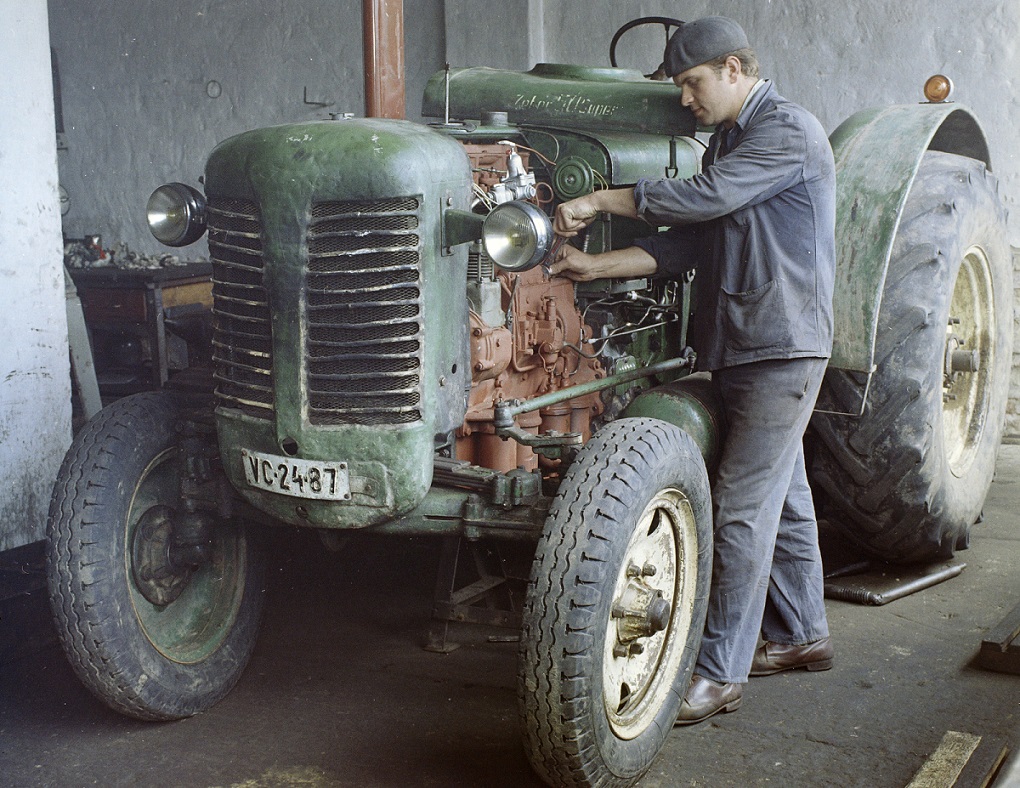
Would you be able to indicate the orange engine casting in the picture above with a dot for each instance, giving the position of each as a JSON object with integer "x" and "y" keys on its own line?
{"x": 537, "y": 351}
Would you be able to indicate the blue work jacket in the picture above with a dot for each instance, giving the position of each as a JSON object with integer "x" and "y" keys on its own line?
{"x": 757, "y": 225}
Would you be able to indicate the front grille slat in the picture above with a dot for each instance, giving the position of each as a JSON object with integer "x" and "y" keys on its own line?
{"x": 236, "y": 243}
{"x": 363, "y": 348}
{"x": 242, "y": 347}
{"x": 338, "y": 246}
{"x": 399, "y": 349}
{"x": 399, "y": 344}
{"x": 368, "y": 261}
{"x": 358, "y": 299}
{"x": 362, "y": 293}
{"x": 328, "y": 210}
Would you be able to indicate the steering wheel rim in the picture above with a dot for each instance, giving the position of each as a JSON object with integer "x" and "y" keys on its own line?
{"x": 666, "y": 21}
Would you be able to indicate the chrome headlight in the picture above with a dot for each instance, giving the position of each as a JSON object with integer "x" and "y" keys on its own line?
{"x": 517, "y": 235}
{"x": 176, "y": 214}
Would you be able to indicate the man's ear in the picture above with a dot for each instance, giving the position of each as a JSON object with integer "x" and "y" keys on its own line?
{"x": 733, "y": 68}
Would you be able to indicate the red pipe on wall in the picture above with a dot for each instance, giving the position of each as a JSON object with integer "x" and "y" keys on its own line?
{"x": 384, "y": 58}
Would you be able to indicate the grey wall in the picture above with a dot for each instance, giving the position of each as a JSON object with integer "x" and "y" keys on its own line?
{"x": 837, "y": 58}
{"x": 35, "y": 389}
{"x": 136, "y": 76}
{"x": 139, "y": 108}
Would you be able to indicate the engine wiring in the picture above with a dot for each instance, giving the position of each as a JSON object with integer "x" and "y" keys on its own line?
{"x": 666, "y": 313}
{"x": 483, "y": 196}
{"x": 550, "y": 162}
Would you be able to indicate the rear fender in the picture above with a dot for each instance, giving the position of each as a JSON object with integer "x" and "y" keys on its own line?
{"x": 877, "y": 154}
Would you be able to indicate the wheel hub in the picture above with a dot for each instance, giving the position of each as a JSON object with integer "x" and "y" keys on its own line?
{"x": 640, "y": 612}
{"x": 958, "y": 361}
{"x": 158, "y": 577}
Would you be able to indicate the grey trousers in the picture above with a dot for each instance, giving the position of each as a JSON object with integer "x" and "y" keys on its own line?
{"x": 767, "y": 573}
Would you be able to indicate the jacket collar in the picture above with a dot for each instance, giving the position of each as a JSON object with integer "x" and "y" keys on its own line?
{"x": 762, "y": 89}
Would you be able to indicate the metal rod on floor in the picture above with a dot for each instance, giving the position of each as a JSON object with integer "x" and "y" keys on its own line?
{"x": 863, "y": 596}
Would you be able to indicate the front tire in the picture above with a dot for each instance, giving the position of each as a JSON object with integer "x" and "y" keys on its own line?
{"x": 151, "y": 649}
{"x": 911, "y": 474}
{"x": 616, "y": 605}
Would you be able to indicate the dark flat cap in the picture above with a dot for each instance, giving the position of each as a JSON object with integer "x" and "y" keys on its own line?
{"x": 702, "y": 40}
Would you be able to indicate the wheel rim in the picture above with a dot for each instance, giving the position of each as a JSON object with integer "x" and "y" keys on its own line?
{"x": 638, "y": 671}
{"x": 969, "y": 360}
{"x": 194, "y": 625}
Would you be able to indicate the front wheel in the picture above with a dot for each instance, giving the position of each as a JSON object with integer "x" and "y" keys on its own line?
{"x": 155, "y": 636}
{"x": 616, "y": 605}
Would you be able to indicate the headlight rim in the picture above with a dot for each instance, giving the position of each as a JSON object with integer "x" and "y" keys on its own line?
{"x": 540, "y": 225}
{"x": 191, "y": 201}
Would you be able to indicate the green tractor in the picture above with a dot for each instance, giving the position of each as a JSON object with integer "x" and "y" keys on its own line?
{"x": 391, "y": 356}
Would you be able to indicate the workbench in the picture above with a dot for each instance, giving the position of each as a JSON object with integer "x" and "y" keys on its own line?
{"x": 145, "y": 323}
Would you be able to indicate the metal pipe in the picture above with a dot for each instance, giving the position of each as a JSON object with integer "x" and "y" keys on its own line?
{"x": 865, "y": 596}
{"x": 508, "y": 409}
{"x": 384, "y": 58}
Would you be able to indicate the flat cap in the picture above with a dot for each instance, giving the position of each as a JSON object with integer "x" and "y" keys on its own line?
{"x": 700, "y": 41}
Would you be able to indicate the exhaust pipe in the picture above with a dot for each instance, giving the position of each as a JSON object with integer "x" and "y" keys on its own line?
{"x": 384, "y": 58}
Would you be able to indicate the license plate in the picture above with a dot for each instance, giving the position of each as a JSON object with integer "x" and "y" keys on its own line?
{"x": 326, "y": 481}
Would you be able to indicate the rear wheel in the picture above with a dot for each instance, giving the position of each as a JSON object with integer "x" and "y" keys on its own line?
{"x": 157, "y": 629}
{"x": 911, "y": 474}
{"x": 616, "y": 605}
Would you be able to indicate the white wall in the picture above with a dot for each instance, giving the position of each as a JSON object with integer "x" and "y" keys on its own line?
{"x": 35, "y": 393}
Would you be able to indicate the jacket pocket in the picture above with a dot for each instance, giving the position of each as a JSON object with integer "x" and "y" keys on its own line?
{"x": 756, "y": 319}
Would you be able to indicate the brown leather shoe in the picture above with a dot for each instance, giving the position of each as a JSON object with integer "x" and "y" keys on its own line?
{"x": 775, "y": 657}
{"x": 706, "y": 697}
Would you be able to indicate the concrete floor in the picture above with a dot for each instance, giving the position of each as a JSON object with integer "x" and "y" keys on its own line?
{"x": 339, "y": 693}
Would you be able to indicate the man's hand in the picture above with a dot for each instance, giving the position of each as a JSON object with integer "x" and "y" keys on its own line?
{"x": 620, "y": 263}
{"x": 574, "y": 215}
{"x": 574, "y": 264}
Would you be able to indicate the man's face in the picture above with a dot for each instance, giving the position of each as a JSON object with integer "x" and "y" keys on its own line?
{"x": 711, "y": 95}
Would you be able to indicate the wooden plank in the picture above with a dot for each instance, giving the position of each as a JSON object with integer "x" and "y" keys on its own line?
{"x": 945, "y": 764}
{"x": 1007, "y": 630}
{"x": 1000, "y": 649}
{"x": 187, "y": 294}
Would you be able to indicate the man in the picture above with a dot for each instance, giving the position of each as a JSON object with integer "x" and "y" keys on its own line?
{"x": 757, "y": 223}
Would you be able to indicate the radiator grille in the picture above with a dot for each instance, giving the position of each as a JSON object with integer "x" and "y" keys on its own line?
{"x": 242, "y": 340}
{"x": 363, "y": 339}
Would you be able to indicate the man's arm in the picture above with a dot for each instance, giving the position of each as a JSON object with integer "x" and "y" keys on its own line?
{"x": 769, "y": 158}
{"x": 619, "y": 263}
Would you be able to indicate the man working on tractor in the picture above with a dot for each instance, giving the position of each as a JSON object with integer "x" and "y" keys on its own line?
{"x": 757, "y": 224}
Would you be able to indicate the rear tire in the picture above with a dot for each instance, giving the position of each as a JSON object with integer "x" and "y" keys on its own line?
{"x": 911, "y": 474}
{"x": 112, "y": 505}
{"x": 616, "y": 605}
